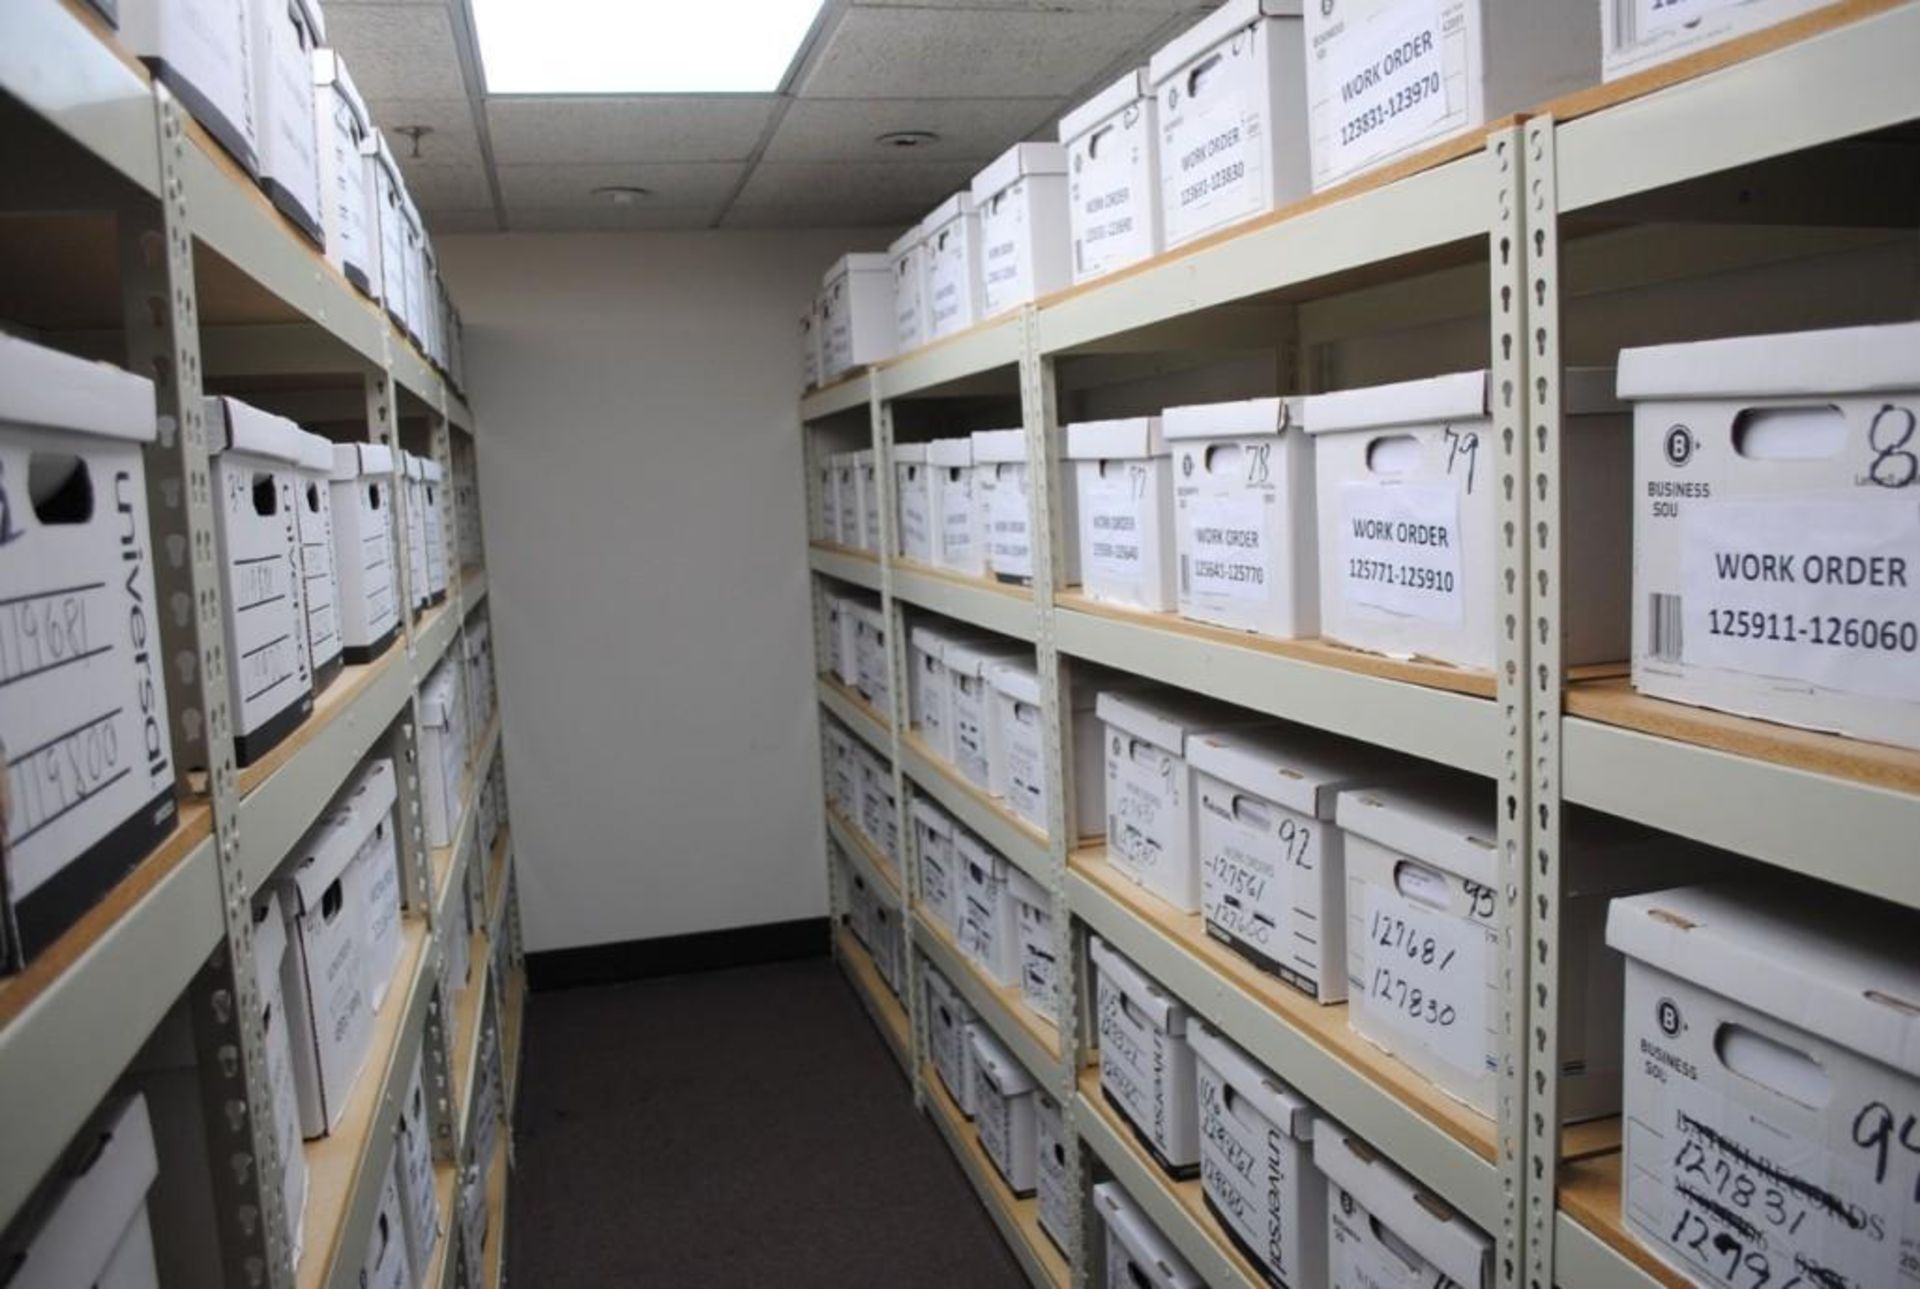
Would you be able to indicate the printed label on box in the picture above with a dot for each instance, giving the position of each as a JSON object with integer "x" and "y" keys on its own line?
{"x": 1112, "y": 504}
{"x": 1390, "y": 90}
{"x": 1401, "y": 544}
{"x": 1826, "y": 592}
{"x": 1226, "y": 552}
{"x": 1426, "y": 976}
{"x": 1214, "y": 181}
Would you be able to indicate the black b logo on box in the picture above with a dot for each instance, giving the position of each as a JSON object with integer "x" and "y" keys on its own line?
{"x": 1667, "y": 1012}
{"x": 1679, "y": 445}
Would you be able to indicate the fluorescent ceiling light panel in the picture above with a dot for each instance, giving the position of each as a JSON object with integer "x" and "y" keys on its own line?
{"x": 639, "y": 46}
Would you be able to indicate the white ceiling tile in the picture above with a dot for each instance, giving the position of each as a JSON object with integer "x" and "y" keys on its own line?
{"x": 450, "y": 184}
{"x": 477, "y": 220}
{"x": 674, "y": 184}
{"x": 816, "y": 216}
{"x": 903, "y": 189}
{"x": 845, "y": 129}
{"x": 971, "y": 53}
{"x": 542, "y": 219}
{"x": 674, "y": 127}
{"x": 449, "y": 120}
{"x": 397, "y": 51}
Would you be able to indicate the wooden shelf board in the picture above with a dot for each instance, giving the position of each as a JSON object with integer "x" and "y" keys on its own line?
{"x": 493, "y": 1259}
{"x": 1615, "y": 702}
{"x": 1590, "y": 1195}
{"x": 846, "y": 552}
{"x": 986, "y": 800}
{"x": 17, "y": 992}
{"x": 855, "y": 699}
{"x": 1324, "y": 653}
{"x": 444, "y": 1176}
{"x": 1024, "y": 1214}
{"x": 1325, "y": 1025}
{"x": 1043, "y": 1031}
{"x": 327, "y": 705}
{"x": 875, "y": 858}
{"x": 333, "y": 1159}
{"x": 1012, "y": 590}
{"x": 880, "y": 1000}
{"x": 1189, "y": 1194}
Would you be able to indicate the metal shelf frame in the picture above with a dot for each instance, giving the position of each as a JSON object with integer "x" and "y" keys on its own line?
{"x": 1481, "y": 222}
{"x": 178, "y": 929}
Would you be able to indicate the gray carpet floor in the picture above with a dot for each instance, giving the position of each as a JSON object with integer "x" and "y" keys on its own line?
{"x": 744, "y": 1127}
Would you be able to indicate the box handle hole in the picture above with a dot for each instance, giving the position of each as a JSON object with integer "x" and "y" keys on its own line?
{"x": 1772, "y": 1064}
{"x": 61, "y": 488}
{"x": 1815, "y": 432}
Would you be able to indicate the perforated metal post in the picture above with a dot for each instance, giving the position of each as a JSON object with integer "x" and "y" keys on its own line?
{"x": 1039, "y": 414}
{"x": 163, "y": 341}
{"x": 1508, "y": 288}
{"x": 383, "y": 424}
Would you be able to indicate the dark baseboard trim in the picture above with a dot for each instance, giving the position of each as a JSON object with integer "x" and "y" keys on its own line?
{"x": 676, "y": 955}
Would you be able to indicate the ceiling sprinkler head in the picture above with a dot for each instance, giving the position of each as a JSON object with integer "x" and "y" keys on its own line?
{"x": 413, "y": 134}
{"x": 907, "y": 139}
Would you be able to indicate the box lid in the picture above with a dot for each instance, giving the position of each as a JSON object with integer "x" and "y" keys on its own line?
{"x": 430, "y": 470}
{"x": 1166, "y": 718}
{"x": 1161, "y": 1008}
{"x": 999, "y": 445}
{"x": 1111, "y": 101}
{"x": 1584, "y": 391}
{"x": 1217, "y": 26}
{"x": 907, "y": 242}
{"x": 45, "y": 388}
{"x": 954, "y": 207}
{"x": 414, "y": 466}
{"x": 863, "y": 459}
{"x": 330, "y": 71}
{"x": 997, "y": 1065}
{"x": 269, "y": 944}
{"x": 1133, "y": 437}
{"x": 858, "y": 262}
{"x": 234, "y": 426}
{"x": 1301, "y": 769}
{"x": 1015, "y": 164}
{"x": 1851, "y": 976}
{"x": 950, "y": 452}
{"x": 1277, "y": 1103}
{"x": 1026, "y": 890}
{"x": 909, "y": 453}
{"x": 973, "y": 657}
{"x": 1017, "y": 679}
{"x": 1437, "y": 1233}
{"x": 1243, "y": 419}
{"x": 357, "y": 460}
{"x": 320, "y": 858}
{"x": 104, "y": 1189}
{"x": 929, "y": 815}
{"x": 1447, "y": 819}
{"x": 1842, "y": 360}
{"x": 313, "y": 453}
{"x": 375, "y": 146}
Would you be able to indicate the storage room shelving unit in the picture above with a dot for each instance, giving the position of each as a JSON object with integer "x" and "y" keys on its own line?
{"x": 1615, "y": 216}
{"x": 132, "y": 237}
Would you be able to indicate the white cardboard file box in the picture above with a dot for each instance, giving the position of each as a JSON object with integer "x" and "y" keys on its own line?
{"x": 1025, "y": 245}
{"x": 283, "y": 35}
{"x": 888, "y": 943}
{"x": 859, "y": 319}
{"x": 912, "y": 319}
{"x": 846, "y": 499}
{"x": 390, "y": 225}
{"x": 928, "y": 687}
{"x": 1422, "y": 873}
{"x": 443, "y": 751}
{"x": 1016, "y": 745}
{"x": 1002, "y": 512}
{"x": 349, "y": 222}
{"x": 362, "y": 489}
{"x": 1052, "y": 1180}
{"x": 953, "y": 266}
{"x": 809, "y": 350}
{"x": 329, "y": 1011}
{"x": 199, "y": 50}
{"x": 1244, "y": 516}
{"x": 1004, "y": 1112}
{"x": 1123, "y": 489}
{"x": 413, "y": 482}
{"x": 413, "y": 1151}
{"x": 96, "y": 1232}
{"x": 1406, "y": 482}
{"x": 989, "y": 927}
{"x": 269, "y": 966}
{"x": 254, "y": 456}
{"x": 1638, "y": 36}
{"x": 970, "y": 704}
{"x": 1776, "y": 1039}
{"x": 1385, "y": 79}
{"x": 843, "y": 770}
{"x": 1150, "y": 819}
{"x": 431, "y": 482}
{"x": 414, "y": 265}
{"x": 1776, "y": 527}
{"x": 319, "y": 578}
{"x": 913, "y": 491}
{"x": 950, "y": 1026}
{"x": 1385, "y": 1230}
{"x": 844, "y": 614}
{"x": 933, "y": 832}
{"x": 1232, "y": 100}
{"x": 1137, "y": 1255}
{"x": 1272, "y": 860}
{"x": 386, "y": 1265}
{"x": 83, "y": 672}
{"x": 867, "y": 471}
{"x": 1146, "y": 1067}
{"x": 477, "y": 645}
{"x": 872, "y": 674}
{"x": 877, "y": 818}
{"x": 826, "y": 515}
{"x": 1035, "y": 946}
{"x": 376, "y": 875}
{"x": 1113, "y": 177}
{"x": 1256, "y": 1162}
{"x": 958, "y": 544}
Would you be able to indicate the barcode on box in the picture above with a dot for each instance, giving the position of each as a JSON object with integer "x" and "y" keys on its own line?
{"x": 1663, "y": 626}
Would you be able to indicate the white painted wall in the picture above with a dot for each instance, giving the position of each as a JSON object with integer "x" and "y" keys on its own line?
{"x": 642, "y": 491}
